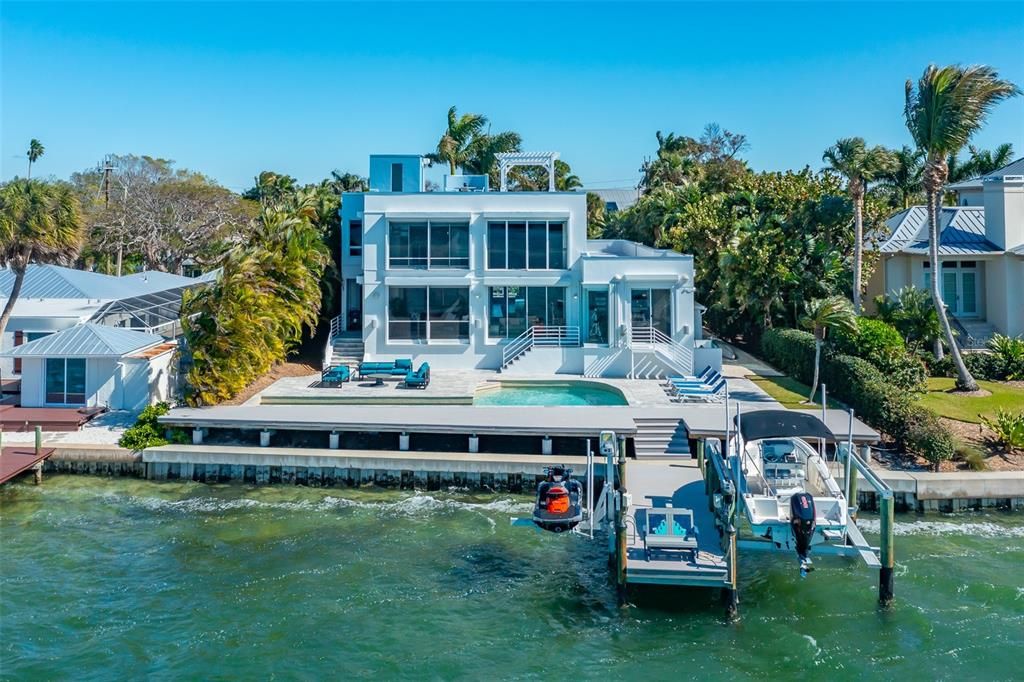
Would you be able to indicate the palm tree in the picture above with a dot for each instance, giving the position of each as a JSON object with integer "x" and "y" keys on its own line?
{"x": 454, "y": 147}
{"x": 565, "y": 179}
{"x": 985, "y": 161}
{"x": 859, "y": 164}
{"x": 35, "y": 150}
{"x": 904, "y": 179}
{"x": 943, "y": 111}
{"x": 40, "y": 222}
{"x": 834, "y": 312}
{"x": 912, "y": 312}
{"x": 484, "y": 149}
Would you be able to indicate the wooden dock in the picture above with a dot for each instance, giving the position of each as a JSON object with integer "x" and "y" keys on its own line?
{"x": 14, "y": 419}
{"x": 17, "y": 460}
{"x": 680, "y": 485}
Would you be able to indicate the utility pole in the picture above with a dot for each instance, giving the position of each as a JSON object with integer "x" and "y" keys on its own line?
{"x": 107, "y": 169}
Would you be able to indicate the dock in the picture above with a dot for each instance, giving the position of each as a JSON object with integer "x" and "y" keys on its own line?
{"x": 15, "y": 461}
{"x": 679, "y": 485}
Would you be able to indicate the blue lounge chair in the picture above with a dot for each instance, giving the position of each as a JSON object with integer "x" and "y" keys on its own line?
{"x": 420, "y": 378}
{"x": 676, "y": 385}
{"x": 336, "y": 375}
{"x": 711, "y": 393}
{"x": 701, "y": 378}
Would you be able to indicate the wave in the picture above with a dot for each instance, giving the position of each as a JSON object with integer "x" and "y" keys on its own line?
{"x": 968, "y": 528}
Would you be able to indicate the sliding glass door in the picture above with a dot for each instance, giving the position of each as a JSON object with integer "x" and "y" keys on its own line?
{"x": 65, "y": 381}
{"x": 652, "y": 308}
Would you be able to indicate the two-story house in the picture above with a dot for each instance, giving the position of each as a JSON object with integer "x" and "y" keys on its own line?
{"x": 981, "y": 248}
{"x": 470, "y": 277}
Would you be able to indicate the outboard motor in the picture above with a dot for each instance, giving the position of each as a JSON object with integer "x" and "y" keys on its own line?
{"x": 802, "y": 523}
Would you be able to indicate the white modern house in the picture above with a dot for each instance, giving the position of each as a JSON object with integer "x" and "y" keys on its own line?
{"x": 981, "y": 250}
{"x": 79, "y": 338}
{"x": 472, "y": 277}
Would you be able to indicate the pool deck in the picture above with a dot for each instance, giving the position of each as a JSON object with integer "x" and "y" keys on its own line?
{"x": 679, "y": 485}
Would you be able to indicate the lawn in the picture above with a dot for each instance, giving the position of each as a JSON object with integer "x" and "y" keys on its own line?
{"x": 790, "y": 392}
{"x": 967, "y": 408}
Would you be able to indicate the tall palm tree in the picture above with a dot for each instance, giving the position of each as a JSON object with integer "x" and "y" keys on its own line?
{"x": 454, "y": 145}
{"x": 985, "y": 161}
{"x": 859, "y": 164}
{"x": 484, "y": 149}
{"x": 40, "y": 222}
{"x": 834, "y": 312}
{"x": 35, "y": 150}
{"x": 947, "y": 106}
{"x": 904, "y": 179}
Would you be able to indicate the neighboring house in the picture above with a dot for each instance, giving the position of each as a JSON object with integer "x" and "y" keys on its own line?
{"x": 981, "y": 247}
{"x": 54, "y": 298}
{"x": 616, "y": 200}
{"x": 95, "y": 365}
{"x": 475, "y": 278}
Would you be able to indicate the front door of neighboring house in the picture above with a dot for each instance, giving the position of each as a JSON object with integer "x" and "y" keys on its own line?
{"x": 959, "y": 287}
{"x": 353, "y": 306}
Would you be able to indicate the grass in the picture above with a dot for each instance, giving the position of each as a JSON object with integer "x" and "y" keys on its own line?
{"x": 790, "y": 392}
{"x": 967, "y": 408}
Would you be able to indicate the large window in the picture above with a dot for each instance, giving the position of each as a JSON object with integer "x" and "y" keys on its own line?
{"x": 511, "y": 310}
{"x": 428, "y": 244}
{"x": 65, "y": 381}
{"x": 597, "y": 317}
{"x": 355, "y": 237}
{"x": 533, "y": 245}
{"x": 428, "y": 313}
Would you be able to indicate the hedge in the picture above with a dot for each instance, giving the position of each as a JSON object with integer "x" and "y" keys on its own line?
{"x": 863, "y": 387}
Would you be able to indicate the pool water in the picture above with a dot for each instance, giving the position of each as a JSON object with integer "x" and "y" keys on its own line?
{"x": 551, "y": 395}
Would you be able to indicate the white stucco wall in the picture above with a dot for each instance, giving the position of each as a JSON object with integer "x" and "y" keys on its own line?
{"x": 125, "y": 383}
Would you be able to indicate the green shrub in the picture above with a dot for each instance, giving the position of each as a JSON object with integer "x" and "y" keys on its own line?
{"x": 1008, "y": 427}
{"x": 984, "y": 366}
{"x": 147, "y": 432}
{"x": 866, "y": 389}
{"x": 970, "y": 455}
{"x": 874, "y": 338}
{"x": 1008, "y": 357}
{"x": 941, "y": 368}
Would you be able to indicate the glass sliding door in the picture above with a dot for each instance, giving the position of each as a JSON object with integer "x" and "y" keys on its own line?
{"x": 512, "y": 310}
{"x": 449, "y": 313}
{"x": 536, "y": 245}
{"x": 65, "y": 381}
{"x": 652, "y": 308}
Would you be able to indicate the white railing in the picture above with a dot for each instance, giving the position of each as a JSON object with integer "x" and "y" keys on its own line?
{"x": 336, "y": 327}
{"x": 539, "y": 336}
{"x": 678, "y": 355}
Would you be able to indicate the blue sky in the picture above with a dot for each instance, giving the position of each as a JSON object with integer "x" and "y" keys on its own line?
{"x": 234, "y": 88}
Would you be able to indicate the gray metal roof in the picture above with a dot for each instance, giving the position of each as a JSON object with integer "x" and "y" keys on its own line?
{"x": 961, "y": 232}
{"x": 617, "y": 199}
{"x": 86, "y": 340}
{"x": 1019, "y": 250}
{"x": 1012, "y": 168}
{"x": 54, "y": 281}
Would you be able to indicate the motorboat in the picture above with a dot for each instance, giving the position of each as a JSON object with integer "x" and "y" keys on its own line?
{"x": 559, "y": 506}
{"x": 787, "y": 491}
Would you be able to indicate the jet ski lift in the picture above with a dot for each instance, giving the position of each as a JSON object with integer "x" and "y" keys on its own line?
{"x": 559, "y": 498}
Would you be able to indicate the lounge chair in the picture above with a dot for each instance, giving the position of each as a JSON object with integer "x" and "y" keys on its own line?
{"x": 677, "y": 386}
{"x": 702, "y": 377}
{"x": 667, "y": 528}
{"x": 711, "y": 393}
{"x": 336, "y": 375}
{"x": 420, "y": 378}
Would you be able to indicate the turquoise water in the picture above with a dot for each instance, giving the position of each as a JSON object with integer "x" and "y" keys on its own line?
{"x": 549, "y": 395}
{"x": 126, "y": 579}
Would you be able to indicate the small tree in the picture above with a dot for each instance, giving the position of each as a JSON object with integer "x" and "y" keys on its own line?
{"x": 834, "y": 312}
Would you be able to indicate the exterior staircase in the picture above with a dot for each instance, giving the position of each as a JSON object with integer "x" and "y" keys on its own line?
{"x": 347, "y": 350}
{"x": 661, "y": 438}
{"x": 973, "y": 334}
{"x": 647, "y": 344}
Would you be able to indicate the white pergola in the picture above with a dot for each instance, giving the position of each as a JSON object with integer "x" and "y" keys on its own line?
{"x": 508, "y": 160}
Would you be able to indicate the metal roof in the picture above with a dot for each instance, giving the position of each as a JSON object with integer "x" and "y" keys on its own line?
{"x": 86, "y": 340}
{"x": 961, "y": 232}
{"x": 54, "y": 281}
{"x": 622, "y": 198}
{"x": 1012, "y": 168}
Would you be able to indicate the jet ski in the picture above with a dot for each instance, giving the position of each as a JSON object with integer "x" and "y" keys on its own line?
{"x": 559, "y": 501}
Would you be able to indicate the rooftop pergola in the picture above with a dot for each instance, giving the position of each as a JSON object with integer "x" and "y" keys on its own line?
{"x": 508, "y": 160}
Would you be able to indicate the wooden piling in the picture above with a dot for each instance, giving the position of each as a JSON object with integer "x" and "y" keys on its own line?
{"x": 885, "y": 573}
{"x": 700, "y": 455}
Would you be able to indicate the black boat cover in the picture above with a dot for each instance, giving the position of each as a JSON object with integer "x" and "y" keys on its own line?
{"x": 782, "y": 424}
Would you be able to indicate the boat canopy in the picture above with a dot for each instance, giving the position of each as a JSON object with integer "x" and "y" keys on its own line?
{"x": 782, "y": 424}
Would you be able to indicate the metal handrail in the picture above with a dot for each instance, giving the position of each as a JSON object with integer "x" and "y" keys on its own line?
{"x": 539, "y": 335}
{"x": 678, "y": 354}
{"x": 329, "y": 350}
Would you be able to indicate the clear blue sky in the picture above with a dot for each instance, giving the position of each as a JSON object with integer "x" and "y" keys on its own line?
{"x": 230, "y": 89}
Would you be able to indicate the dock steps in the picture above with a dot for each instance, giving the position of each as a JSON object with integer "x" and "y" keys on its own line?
{"x": 661, "y": 437}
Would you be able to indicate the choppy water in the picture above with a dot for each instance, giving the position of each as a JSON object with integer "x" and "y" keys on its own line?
{"x": 103, "y": 579}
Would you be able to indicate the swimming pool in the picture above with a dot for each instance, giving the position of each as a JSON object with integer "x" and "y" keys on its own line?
{"x": 549, "y": 394}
